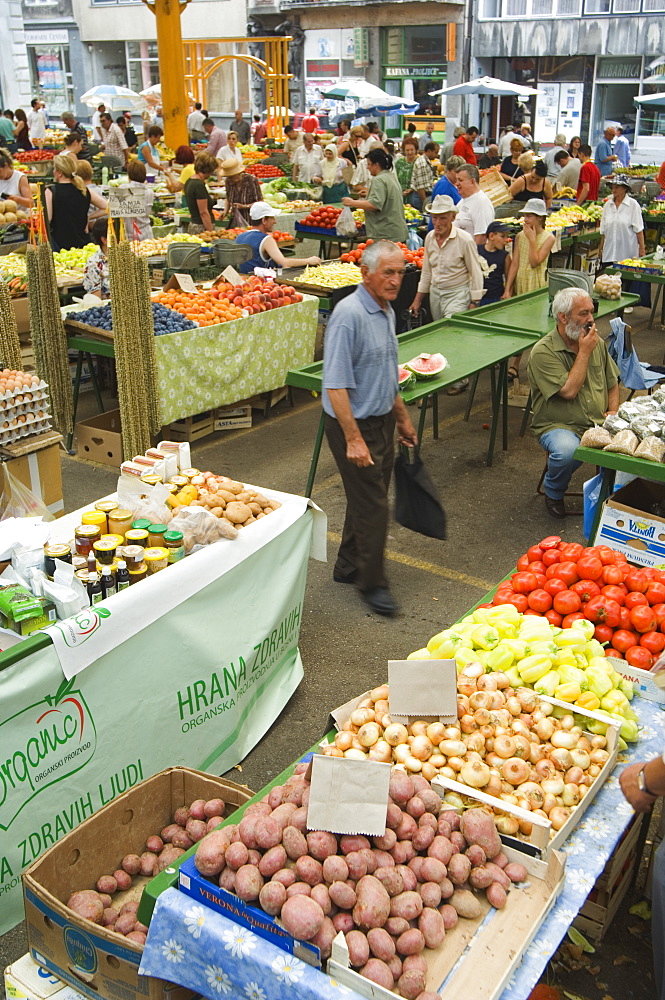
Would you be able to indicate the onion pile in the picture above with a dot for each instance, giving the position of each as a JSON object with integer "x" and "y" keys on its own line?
{"x": 507, "y": 743}
{"x": 391, "y": 896}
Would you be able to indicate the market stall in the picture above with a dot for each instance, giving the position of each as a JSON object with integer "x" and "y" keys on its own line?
{"x": 531, "y": 312}
{"x": 651, "y": 269}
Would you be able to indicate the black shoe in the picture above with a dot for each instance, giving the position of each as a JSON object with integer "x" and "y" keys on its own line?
{"x": 381, "y": 601}
{"x": 349, "y": 578}
{"x": 555, "y": 508}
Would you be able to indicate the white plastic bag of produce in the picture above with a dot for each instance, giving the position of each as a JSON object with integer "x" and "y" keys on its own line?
{"x": 17, "y": 500}
{"x": 200, "y": 527}
{"x": 346, "y": 224}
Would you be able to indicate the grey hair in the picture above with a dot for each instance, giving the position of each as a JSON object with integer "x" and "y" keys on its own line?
{"x": 455, "y": 162}
{"x": 565, "y": 299}
{"x": 471, "y": 170}
{"x": 375, "y": 251}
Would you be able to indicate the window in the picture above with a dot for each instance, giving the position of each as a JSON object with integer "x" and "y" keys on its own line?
{"x": 626, "y": 6}
{"x": 142, "y": 64}
{"x": 542, "y": 8}
{"x": 653, "y": 6}
{"x": 491, "y": 9}
{"x": 424, "y": 45}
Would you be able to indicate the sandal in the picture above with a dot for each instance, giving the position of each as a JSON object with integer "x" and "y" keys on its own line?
{"x": 513, "y": 374}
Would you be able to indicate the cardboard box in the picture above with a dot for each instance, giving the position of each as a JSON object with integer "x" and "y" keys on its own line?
{"x": 99, "y": 439}
{"x": 39, "y": 470}
{"x": 93, "y": 959}
{"x": 626, "y": 527}
{"x": 25, "y": 980}
{"x": 229, "y": 418}
{"x": 22, "y": 314}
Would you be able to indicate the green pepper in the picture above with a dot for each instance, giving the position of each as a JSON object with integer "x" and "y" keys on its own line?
{"x": 598, "y": 682}
{"x": 485, "y": 637}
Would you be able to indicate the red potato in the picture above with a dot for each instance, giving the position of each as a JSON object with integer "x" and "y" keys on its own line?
{"x": 109, "y": 917}
{"x": 447, "y": 888}
{"x": 399, "y": 853}
{"x": 131, "y": 863}
{"x": 321, "y": 896}
{"x": 357, "y": 864}
{"x": 415, "y": 864}
{"x": 433, "y": 870}
{"x": 107, "y": 884}
{"x": 141, "y": 927}
{"x": 258, "y": 809}
{"x": 197, "y": 809}
{"x": 408, "y": 877}
{"x": 516, "y": 872}
{"x": 309, "y": 870}
{"x": 154, "y": 844}
{"x": 249, "y": 883}
{"x": 299, "y": 889}
{"x": 387, "y": 841}
{"x": 302, "y": 917}
{"x": 87, "y": 904}
{"x": 498, "y": 874}
{"x": 396, "y": 926}
{"x": 372, "y": 907}
{"x": 480, "y": 878}
{"x": 302, "y": 767}
{"x": 443, "y": 827}
{"x": 344, "y": 922}
{"x": 324, "y": 938}
{"x": 415, "y": 807}
{"x": 379, "y": 973}
{"x": 430, "y": 893}
{"x": 268, "y": 832}
{"x": 253, "y": 858}
{"x": 423, "y": 837}
{"x": 358, "y": 947}
{"x": 411, "y": 984}
{"x": 213, "y": 823}
{"x": 427, "y": 819}
{"x": 349, "y": 844}
{"x": 275, "y": 796}
{"x": 182, "y": 839}
{"x": 167, "y": 857}
{"x": 418, "y": 962}
{"x": 294, "y": 843}
{"x": 401, "y": 788}
{"x": 411, "y": 942}
{"x": 407, "y": 827}
{"x": 125, "y": 923}
{"x": 441, "y": 848}
{"x": 451, "y": 817}
{"x": 138, "y": 937}
{"x": 476, "y": 855}
{"x": 181, "y": 815}
{"x": 430, "y": 799}
{"x": 236, "y": 856}
{"x": 371, "y": 858}
{"x": 393, "y": 816}
{"x": 131, "y": 906}
{"x": 106, "y": 900}
{"x": 210, "y": 854}
{"x": 408, "y": 848}
{"x": 466, "y": 904}
{"x": 227, "y": 879}
{"x": 272, "y": 861}
{"x": 395, "y": 966}
{"x": 342, "y": 895}
{"x": 294, "y": 788}
{"x": 286, "y": 876}
{"x": 247, "y": 830}
{"x": 383, "y": 859}
{"x": 500, "y": 860}
{"x": 321, "y": 845}
{"x": 283, "y": 813}
{"x": 431, "y": 926}
{"x": 335, "y": 869}
{"x": 496, "y": 894}
{"x": 477, "y": 826}
{"x": 381, "y": 945}
{"x": 168, "y": 831}
{"x": 122, "y": 880}
{"x": 458, "y": 842}
{"x": 408, "y": 905}
{"x": 214, "y": 807}
{"x": 459, "y": 869}
{"x": 392, "y": 881}
{"x": 450, "y": 916}
{"x": 299, "y": 819}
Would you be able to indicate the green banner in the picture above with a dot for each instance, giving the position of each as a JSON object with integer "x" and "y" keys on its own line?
{"x": 198, "y": 687}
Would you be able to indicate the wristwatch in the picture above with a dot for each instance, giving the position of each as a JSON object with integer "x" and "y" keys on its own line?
{"x": 642, "y": 784}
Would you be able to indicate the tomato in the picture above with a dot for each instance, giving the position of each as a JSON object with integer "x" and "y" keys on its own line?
{"x": 567, "y": 602}
{"x": 523, "y": 583}
{"x": 501, "y": 598}
{"x": 540, "y": 601}
{"x": 571, "y": 551}
{"x": 607, "y": 556}
{"x": 611, "y": 651}
{"x": 566, "y": 571}
{"x": 636, "y": 580}
{"x": 551, "y": 556}
{"x": 640, "y": 657}
{"x": 650, "y": 573}
{"x": 570, "y": 620}
{"x": 554, "y": 586}
{"x": 535, "y": 553}
{"x": 590, "y": 550}
{"x": 624, "y": 620}
{"x": 614, "y": 593}
{"x": 655, "y": 592}
{"x": 603, "y": 633}
{"x": 653, "y": 641}
{"x": 603, "y": 611}
{"x": 586, "y": 589}
{"x": 589, "y": 568}
{"x": 623, "y": 639}
{"x": 550, "y": 542}
{"x": 541, "y": 579}
{"x": 522, "y": 562}
{"x": 635, "y": 599}
{"x": 612, "y": 575}
{"x": 554, "y": 618}
{"x": 659, "y": 611}
{"x": 537, "y": 566}
{"x": 518, "y": 601}
{"x": 530, "y": 611}
{"x": 643, "y": 619}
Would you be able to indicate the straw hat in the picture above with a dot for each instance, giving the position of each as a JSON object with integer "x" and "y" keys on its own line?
{"x": 231, "y": 167}
{"x": 443, "y": 203}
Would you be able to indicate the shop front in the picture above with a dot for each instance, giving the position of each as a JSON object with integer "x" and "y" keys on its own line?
{"x": 617, "y": 83}
{"x": 50, "y": 73}
{"x": 413, "y": 64}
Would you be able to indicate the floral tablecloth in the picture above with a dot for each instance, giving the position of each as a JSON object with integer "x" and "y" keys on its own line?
{"x": 199, "y": 948}
{"x": 219, "y": 365}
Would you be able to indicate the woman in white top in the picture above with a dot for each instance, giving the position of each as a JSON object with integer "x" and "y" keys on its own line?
{"x": 621, "y": 225}
{"x": 37, "y": 123}
{"x": 13, "y": 184}
{"x": 230, "y": 151}
{"x": 330, "y": 175}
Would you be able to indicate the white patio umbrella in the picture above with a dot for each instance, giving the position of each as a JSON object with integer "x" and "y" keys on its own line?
{"x": 653, "y": 100}
{"x": 487, "y": 86}
{"x": 358, "y": 90}
{"x": 153, "y": 95}
{"x": 115, "y": 98}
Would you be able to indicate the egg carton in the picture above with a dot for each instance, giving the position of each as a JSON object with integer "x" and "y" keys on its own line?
{"x": 19, "y": 398}
{"x": 24, "y": 430}
{"x": 11, "y": 393}
{"x": 30, "y": 407}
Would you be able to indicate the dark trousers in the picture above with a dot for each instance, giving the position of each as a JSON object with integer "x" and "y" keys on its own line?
{"x": 366, "y": 522}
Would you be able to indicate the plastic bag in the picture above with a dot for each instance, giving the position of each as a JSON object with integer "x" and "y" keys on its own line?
{"x": 238, "y": 220}
{"x": 651, "y": 448}
{"x": 595, "y": 437}
{"x": 614, "y": 423}
{"x": 18, "y": 501}
{"x": 143, "y": 500}
{"x": 346, "y": 224}
{"x": 591, "y": 491}
{"x": 629, "y": 410}
{"x": 623, "y": 443}
{"x": 646, "y": 426}
{"x": 417, "y": 504}
{"x": 199, "y": 527}
{"x": 414, "y": 242}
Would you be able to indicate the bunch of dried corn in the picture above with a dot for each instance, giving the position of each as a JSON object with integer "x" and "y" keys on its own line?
{"x": 10, "y": 348}
{"x": 134, "y": 345}
{"x": 48, "y": 333}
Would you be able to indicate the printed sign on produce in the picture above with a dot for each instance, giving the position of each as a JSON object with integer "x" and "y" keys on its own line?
{"x": 126, "y": 200}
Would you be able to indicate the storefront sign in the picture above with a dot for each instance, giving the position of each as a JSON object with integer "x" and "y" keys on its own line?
{"x": 47, "y": 37}
{"x": 321, "y": 68}
{"x": 414, "y": 71}
{"x": 619, "y": 69}
{"x": 360, "y": 47}
{"x": 199, "y": 687}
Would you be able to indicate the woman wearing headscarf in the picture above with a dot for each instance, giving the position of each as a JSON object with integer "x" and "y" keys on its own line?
{"x": 330, "y": 175}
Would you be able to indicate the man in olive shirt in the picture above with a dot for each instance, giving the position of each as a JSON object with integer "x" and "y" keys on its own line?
{"x": 574, "y": 384}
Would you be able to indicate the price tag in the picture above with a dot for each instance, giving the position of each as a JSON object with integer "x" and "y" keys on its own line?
{"x": 422, "y": 689}
{"x": 348, "y": 796}
{"x": 125, "y": 200}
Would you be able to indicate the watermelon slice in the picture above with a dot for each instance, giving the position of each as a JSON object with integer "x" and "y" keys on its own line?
{"x": 405, "y": 378}
{"x": 426, "y": 365}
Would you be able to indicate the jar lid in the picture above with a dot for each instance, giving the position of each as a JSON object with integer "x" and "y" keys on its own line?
{"x": 112, "y": 537}
{"x": 156, "y": 553}
{"x": 106, "y": 506}
{"x": 88, "y": 530}
{"x": 142, "y": 522}
{"x": 133, "y": 534}
{"x": 105, "y": 545}
{"x": 157, "y": 529}
{"x": 120, "y": 514}
{"x": 139, "y": 570}
{"x": 56, "y": 551}
{"x": 93, "y": 517}
{"x": 173, "y": 536}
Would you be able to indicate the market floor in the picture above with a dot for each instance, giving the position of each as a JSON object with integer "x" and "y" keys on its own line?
{"x": 494, "y": 514}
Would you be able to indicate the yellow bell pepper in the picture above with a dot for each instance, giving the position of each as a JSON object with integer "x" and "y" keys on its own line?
{"x": 419, "y": 654}
{"x": 532, "y": 668}
{"x": 564, "y": 658}
{"x": 589, "y": 701}
{"x": 614, "y": 702}
{"x": 586, "y": 627}
{"x": 514, "y": 677}
{"x": 571, "y": 638}
{"x": 548, "y": 683}
{"x": 627, "y": 688}
{"x": 503, "y": 613}
{"x": 598, "y": 681}
{"x": 568, "y": 692}
{"x": 516, "y": 646}
{"x": 500, "y": 658}
{"x": 573, "y": 675}
{"x": 485, "y": 636}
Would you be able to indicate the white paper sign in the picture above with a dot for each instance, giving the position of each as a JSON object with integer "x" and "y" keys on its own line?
{"x": 126, "y": 200}
{"x": 422, "y": 688}
{"x": 348, "y": 796}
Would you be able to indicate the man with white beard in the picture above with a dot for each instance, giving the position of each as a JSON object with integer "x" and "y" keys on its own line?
{"x": 574, "y": 385}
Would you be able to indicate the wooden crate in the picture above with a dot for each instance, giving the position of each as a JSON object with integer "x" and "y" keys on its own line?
{"x": 495, "y": 187}
{"x": 190, "y": 428}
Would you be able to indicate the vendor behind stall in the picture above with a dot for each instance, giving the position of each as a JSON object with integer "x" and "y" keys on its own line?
{"x": 198, "y": 198}
{"x": 266, "y": 251}
{"x": 96, "y": 273}
{"x": 137, "y": 227}
{"x": 330, "y": 174}
{"x": 242, "y": 189}
{"x": 13, "y": 183}
{"x": 184, "y": 158}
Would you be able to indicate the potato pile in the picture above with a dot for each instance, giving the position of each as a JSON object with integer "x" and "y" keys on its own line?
{"x": 228, "y": 499}
{"x": 189, "y": 826}
{"x": 392, "y": 896}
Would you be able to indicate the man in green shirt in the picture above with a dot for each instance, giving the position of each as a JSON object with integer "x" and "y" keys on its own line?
{"x": 574, "y": 385}
{"x": 6, "y": 131}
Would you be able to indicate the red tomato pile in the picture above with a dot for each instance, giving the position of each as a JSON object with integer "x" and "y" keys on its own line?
{"x": 564, "y": 581}
{"x": 324, "y": 217}
{"x": 264, "y": 170}
{"x": 33, "y": 155}
{"x": 411, "y": 256}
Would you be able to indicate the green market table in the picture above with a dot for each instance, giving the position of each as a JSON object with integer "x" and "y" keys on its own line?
{"x": 469, "y": 348}
{"x": 651, "y": 279}
{"x": 531, "y": 312}
{"x": 610, "y": 463}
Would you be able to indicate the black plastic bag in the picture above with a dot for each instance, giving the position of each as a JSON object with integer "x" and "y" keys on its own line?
{"x": 417, "y": 504}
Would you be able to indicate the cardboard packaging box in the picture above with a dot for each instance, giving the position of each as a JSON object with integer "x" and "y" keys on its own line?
{"x": 228, "y": 418}
{"x": 92, "y": 959}
{"x": 626, "y": 527}
{"x": 22, "y": 314}
{"x": 99, "y": 439}
{"x": 25, "y": 980}
{"x": 39, "y": 470}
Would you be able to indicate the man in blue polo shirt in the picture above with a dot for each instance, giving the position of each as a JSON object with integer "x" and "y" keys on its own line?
{"x": 605, "y": 158}
{"x": 447, "y": 184}
{"x": 362, "y": 406}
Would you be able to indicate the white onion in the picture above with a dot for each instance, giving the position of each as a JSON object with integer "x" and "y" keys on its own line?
{"x": 355, "y": 754}
{"x": 369, "y": 734}
{"x": 475, "y": 773}
{"x": 395, "y": 733}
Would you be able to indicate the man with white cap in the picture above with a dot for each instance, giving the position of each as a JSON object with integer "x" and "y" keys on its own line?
{"x": 452, "y": 272}
{"x": 264, "y": 245}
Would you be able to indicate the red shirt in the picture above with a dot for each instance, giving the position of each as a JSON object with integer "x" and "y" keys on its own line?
{"x": 310, "y": 123}
{"x": 464, "y": 148}
{"x": 589, "y": 174}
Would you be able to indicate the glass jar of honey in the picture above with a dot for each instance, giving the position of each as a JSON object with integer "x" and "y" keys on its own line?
{"x": 85, "y": 536}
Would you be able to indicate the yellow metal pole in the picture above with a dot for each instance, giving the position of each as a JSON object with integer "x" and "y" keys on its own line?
{"x": 175, "y": 104}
